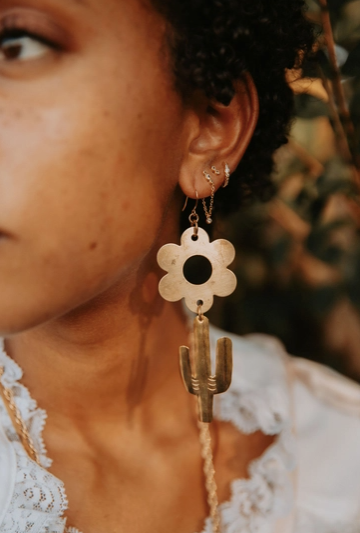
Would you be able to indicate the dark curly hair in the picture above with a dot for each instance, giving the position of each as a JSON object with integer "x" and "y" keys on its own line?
{"x": 213, "y": 42}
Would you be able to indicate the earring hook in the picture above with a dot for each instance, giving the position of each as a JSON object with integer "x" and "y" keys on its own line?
{"x": 187, "y": 201}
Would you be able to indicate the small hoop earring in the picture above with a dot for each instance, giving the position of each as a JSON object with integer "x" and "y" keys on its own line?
{"x": 227, "y": 173}
{"x": 209, "y": 211}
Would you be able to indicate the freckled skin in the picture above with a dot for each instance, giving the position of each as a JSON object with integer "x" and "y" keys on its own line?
{"x": 95, "y": 149}
{"x": 112, "y": 124}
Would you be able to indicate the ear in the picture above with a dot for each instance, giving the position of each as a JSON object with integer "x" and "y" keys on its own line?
{"x": 216, "y": 134}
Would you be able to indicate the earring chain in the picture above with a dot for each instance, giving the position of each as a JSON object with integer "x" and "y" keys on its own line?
{"x": 209, "y": 211}
{"x": 227, "y": 173}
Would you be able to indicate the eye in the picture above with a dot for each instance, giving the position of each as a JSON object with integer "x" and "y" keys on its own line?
{"x": 22, "y": 47}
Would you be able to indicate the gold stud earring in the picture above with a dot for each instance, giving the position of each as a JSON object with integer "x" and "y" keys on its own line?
{"x": 209, "y": 211}
{"x": 215, "y": 170}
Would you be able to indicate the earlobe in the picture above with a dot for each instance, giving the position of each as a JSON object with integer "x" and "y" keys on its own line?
{"x": 218, "y": 135}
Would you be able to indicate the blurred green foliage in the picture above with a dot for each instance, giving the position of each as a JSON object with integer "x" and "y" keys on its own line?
{"x": 298, "y": 256}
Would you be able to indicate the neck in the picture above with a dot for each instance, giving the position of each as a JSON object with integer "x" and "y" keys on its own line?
{"x": 113, "y": 359}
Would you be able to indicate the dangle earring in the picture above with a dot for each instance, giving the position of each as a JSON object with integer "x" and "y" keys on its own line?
{"x": 214, "y": 279}
{"x": 212, "y": 259}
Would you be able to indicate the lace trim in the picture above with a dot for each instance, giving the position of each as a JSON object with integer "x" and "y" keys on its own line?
{"x": 267, "y": 495}
{"x": 33, "y": 416}
{"x": 250, "y": 412}
{"x": 39, "y": 501}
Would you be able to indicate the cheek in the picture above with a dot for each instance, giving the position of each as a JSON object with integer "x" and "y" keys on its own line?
{"x": 83, "y": 187}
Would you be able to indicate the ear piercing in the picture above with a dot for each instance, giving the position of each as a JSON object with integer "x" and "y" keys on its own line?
{"x": 227, "y": 173}
{"x": 208, "y": 212}
{"x": 214, "y": 170}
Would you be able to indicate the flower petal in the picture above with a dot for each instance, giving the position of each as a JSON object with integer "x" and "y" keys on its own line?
{"x": 223, "y": 282}
{"x": 170, "y": 257}
{"x": 224, "y": 252}
{"x": 203, "y": 239}
{"x": 171, "y": 289}
{"x": 194, "y": 293}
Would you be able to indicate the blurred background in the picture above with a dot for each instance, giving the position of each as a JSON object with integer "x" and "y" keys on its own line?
{"x": 298, "y": 256}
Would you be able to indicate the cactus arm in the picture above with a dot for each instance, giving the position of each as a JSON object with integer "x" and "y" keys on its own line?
{"x": 185, "y": 369}
{"x": 224, "y": 364}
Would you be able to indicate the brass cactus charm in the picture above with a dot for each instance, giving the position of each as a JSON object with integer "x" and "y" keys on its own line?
{"x": 203, "y": 384}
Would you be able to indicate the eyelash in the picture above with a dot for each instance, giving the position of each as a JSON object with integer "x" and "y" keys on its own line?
{"x": 16, "y": 33}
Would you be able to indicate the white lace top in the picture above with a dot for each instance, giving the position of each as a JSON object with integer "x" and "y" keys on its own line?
{"x": 308, "y": 481}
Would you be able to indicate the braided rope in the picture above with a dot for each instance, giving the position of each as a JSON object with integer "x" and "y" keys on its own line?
{"x": 209, "y": 471}
{"x": 19, "y": 424}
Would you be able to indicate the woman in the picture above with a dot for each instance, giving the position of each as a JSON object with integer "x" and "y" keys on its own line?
{"x": 111, "y": 112}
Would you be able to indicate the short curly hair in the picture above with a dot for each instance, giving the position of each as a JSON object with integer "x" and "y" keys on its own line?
{"x": 213, "y": 42}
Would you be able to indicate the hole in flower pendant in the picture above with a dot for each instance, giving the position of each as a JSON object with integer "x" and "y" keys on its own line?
{"x": 197, "y": 270}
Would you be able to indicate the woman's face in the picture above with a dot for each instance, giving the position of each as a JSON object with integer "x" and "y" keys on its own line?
{"x": 91, "y": 139}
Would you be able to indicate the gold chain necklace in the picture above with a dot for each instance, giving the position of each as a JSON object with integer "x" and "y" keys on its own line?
{"x": 205, "y": 441}
{"x": 18, "y": 423}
